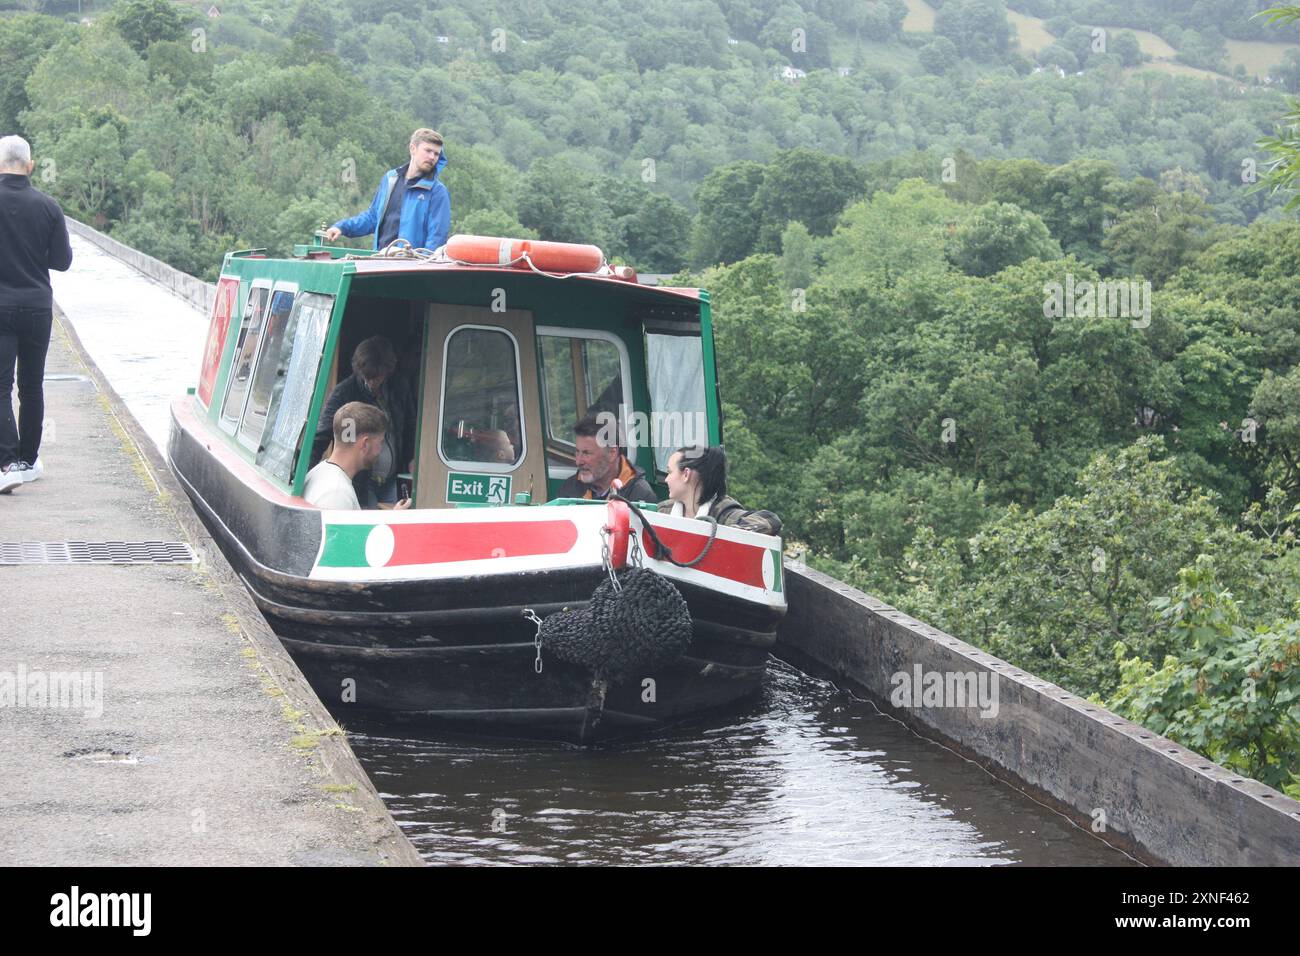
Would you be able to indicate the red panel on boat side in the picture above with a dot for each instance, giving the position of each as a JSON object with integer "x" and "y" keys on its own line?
{"x": 742, "y": 563}
{"x": 442, "y": 542}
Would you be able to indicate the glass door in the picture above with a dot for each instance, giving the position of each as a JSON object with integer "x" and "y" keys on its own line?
{"x": 480, "y": 440}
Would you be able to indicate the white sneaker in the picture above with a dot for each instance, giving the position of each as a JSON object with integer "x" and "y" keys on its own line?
{"x": 33, "y": 471}
{"x": 10, "y": 479}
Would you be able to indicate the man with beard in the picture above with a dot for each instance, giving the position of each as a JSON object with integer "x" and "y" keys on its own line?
{"x": 600, "y": 462}
{"x": 411, "y": 203}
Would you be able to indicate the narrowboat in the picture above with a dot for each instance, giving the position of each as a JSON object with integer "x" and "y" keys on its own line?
{"x": 428, "y": 615}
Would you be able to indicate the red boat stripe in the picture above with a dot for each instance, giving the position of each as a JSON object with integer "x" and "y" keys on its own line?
{"x": 732, "y": 560}
{"x": 447, "y": 541}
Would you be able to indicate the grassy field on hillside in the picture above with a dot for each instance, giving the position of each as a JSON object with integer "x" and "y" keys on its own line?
{"x": 1257, "y": 56}
{"x": 1150, "y": 43}
{"x": 1032, "y": 35}
{"x": 896, "y": 55}
{"x": 1177, "y": 69}
{"x": 920, "y": 17}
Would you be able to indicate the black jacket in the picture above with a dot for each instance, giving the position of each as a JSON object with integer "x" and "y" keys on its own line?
{"x": 401, "y": 405}
{"x": 33, "y": 240}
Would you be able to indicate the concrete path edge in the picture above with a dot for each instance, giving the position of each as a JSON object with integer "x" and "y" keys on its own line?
{"x": 337, "y": 761}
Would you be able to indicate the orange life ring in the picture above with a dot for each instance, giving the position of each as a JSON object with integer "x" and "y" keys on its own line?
{"x": 618, "y": 523}
{"x": 547, "y": 256}
{"x": 565, "y": 256}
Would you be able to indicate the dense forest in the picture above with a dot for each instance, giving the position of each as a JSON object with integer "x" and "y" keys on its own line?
{"x": 186, "y": 134}
{"x": 913, "y": 229}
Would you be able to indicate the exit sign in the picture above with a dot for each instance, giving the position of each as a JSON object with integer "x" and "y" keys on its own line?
{"x": 466, "y": 488}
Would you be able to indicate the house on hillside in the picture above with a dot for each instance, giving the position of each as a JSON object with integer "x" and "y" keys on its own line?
{"x": 792, "y": 73}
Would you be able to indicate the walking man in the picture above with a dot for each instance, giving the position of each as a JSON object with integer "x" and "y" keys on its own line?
{"x": 33, "y": 240}
{"x": 411, "y": 202}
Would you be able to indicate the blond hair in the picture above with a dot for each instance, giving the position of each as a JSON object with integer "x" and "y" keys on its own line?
{"x": 424, "y": 135}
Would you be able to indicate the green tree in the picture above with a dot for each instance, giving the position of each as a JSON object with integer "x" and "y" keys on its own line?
{"x": 24, "y": 39}
{"x": 892, "y": 234}
{"x": 796, "y": 256}
{"x": 314, "y": 17}
{"x": 979, "y": 28}
{"x": 656, "y": 234}
{"x": 1284, "y": 173}
{"x": 726, "y": 227}
{"x": 804, "y": 186}
{"x": 1054, "y": 592}
{"x": 560, "y": 203}
{"x": 1228, "y": 691}
{"x": 997, "y": 235}
{"x": 143, "y": 22}
{"x": 1125, "y": 45}
{"x": 1275, "y": 410}
{"x": 1159, "y": 237}
{"x": 938, "y": 56}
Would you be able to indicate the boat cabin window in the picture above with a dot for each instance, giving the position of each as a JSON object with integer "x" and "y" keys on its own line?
{"x": 250, "y": 332}
{"x": 272, "y": 358}
{"x": 675, "y": 369}
{"x": 481, "y": 400}
{"x": 582, "y": 374}
{"x": 295, "y": 382}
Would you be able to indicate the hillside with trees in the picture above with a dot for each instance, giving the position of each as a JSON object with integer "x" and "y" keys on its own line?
{"x": 600, "y": 121}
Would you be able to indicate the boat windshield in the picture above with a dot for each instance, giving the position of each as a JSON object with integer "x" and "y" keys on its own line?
{"x": 675, "y": 366}
{"x": 582, "y": 375}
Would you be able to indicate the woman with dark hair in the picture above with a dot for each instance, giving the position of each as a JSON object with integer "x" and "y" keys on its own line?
{"x": 697, "y": 488}
{"x": 373, "y": 382}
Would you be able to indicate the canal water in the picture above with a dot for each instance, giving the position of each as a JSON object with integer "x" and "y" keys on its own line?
{"x": 804, "y": 774}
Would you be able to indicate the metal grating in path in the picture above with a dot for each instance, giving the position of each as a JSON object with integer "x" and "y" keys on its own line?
{"x": 96, "y": 552}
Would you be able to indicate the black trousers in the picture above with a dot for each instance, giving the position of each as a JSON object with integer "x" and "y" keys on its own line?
{"x": 24, "y": 341}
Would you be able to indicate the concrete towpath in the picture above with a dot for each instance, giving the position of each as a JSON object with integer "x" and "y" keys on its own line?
{"x": 147, "y": 713}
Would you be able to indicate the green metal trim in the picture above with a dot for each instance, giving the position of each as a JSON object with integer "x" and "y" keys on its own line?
{"x": 712, "y": 389}
{"x": 327, "y": 361}
{"x": 419, "y": 397}
{"x": 639, "y": 505}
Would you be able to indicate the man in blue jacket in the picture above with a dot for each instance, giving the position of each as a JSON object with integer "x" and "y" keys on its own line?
{"x": 411, "y": 203}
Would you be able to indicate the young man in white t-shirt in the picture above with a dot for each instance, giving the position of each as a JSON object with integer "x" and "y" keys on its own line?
{"x": 359, "y": 431}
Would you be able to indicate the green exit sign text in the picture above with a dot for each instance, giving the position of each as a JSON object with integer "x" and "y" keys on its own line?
{"x": 467, "y": 488}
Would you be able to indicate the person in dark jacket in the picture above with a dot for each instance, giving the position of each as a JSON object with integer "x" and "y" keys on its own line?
{"x": 600, "y": 463}
{"x": 33, "y": 240}
{"x": 411, "y": 202}
{"x": 697, "y": 488}
{"x": 373, "y": 381}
